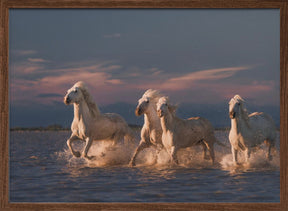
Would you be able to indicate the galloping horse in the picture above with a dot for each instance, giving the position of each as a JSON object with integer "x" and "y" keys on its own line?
{"x": 89, "y": 124}
{"x": 151, "y": 132}
{"x": 179, "y": 133}
{"x": 249, "y": 130}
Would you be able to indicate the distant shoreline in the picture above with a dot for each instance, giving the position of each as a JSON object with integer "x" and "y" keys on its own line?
{"x": 61, "y": 128}
{"x": 56, "y": 128}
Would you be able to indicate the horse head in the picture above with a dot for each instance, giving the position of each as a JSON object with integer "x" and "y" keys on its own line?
{"x": 74, "y": 94}
{"x": 142, "y": 106}
{"x": 164, "y": 107}
{"x": 147, "y": 101}
{"x": 235, "y": 106}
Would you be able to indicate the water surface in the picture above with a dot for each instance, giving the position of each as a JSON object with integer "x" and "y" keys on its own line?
{"x": 43, "y": 170}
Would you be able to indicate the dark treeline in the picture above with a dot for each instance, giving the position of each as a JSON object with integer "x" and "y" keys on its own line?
{"x": 54, "y": 127}
{"x": 58, "y": 127}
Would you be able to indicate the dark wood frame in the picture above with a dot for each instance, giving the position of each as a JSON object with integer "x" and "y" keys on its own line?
{"x": 5, "y": 5}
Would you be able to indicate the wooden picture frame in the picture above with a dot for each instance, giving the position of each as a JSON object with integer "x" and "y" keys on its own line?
{"x": 5, "y": 5}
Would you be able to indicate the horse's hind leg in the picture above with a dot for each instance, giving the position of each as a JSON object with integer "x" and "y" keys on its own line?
{"x": 205, "y": 156}
{"x": 270, "y": 144}
{"x": 210, "y": 146}
{"x": 69, "y": 144}
{"x": 247, "y": 154}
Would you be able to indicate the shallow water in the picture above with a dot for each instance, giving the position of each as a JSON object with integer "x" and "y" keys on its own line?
{"x": 43, "y": 170}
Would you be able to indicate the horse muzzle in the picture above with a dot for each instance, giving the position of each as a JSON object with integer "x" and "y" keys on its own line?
{"x": 160, "y": 113}
{"x": 232, "y": 114}
{"x": 138, "y": 111}
{"x": 67, "y": 100}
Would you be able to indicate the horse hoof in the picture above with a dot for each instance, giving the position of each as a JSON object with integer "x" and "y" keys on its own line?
{"x": 131, "y": 164}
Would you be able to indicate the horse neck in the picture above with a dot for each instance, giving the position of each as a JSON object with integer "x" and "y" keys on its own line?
{"x": 81, "y": 111}
{"x": 167, "y": 122}
{"x": 240, "y": 123}
{"x": 151, "y": 119}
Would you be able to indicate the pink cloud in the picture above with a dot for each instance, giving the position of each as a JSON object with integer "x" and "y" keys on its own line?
{"x": 108, "y": 89}
{"x": 211, "y": 74}
{"x": 59, "y": 81}
{"x": 37, "y": 60}
{"x": 25, "y": 67}
{"x": 24, "y": 52}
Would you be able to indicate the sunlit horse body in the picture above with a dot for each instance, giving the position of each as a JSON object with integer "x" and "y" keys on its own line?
{"x": 89, "y": 124}
{"x": 179, "y": 133}
{"x": 249, "y": 130}
{"x": 151, "y": 132}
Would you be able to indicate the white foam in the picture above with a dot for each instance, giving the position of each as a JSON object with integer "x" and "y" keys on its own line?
{"x": 107, "y": 155}
{"x": 257, "y": 161}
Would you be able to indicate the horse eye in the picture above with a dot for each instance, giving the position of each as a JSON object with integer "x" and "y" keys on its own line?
{"x": 76, "y": 91}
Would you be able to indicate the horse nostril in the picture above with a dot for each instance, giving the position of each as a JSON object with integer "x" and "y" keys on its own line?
{"x": 232, "y": 114}
{"x": 138, "y": 111}
{"x": 67, "y": 100}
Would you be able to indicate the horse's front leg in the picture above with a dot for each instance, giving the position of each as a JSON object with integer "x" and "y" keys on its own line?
{"x": 173, "y": 154}
{"x": 69, "y": 144}
{"x": 234, "y": 155}
{"x": 247, "y": 154}
{"x": 87, "y": 147}
{"x": 143, "y": 144}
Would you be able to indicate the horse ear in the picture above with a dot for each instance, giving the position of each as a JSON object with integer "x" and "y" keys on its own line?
{"x": 238, "y": 97}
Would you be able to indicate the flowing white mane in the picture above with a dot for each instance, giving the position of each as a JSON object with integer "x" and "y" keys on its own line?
{"x": 152, "y": 94}
{"x": 88, "y": 98}
{"x": 241, "y": 101}
{"x": 172, "y": 108}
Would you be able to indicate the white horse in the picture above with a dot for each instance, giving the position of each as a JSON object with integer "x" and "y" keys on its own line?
{"x": 249, "y": 130}
{"x": 179, "y": 133}
{"x": 89, "y": 124}
{"x": 151, "y": 132}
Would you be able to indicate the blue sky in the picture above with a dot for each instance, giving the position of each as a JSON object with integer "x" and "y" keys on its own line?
{"x": 195, "y": 56}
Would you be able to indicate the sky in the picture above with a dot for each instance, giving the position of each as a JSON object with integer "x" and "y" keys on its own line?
{"x": 197, "y": 57}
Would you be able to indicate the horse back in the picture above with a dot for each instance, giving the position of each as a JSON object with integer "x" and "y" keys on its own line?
{"x": 261, "y": 119}
{"x": 201, "y": 122}
{"x": 263, "y": 122}
{"x": 114, "y": 118}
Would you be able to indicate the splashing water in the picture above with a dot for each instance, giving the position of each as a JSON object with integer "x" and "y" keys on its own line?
{"x": 105, "y": 154}
{"x": 257, "y": 161}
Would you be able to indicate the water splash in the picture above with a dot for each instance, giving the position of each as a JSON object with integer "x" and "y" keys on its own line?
{"x": 119, "y": 155}
{"x": 257, "y": 161}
